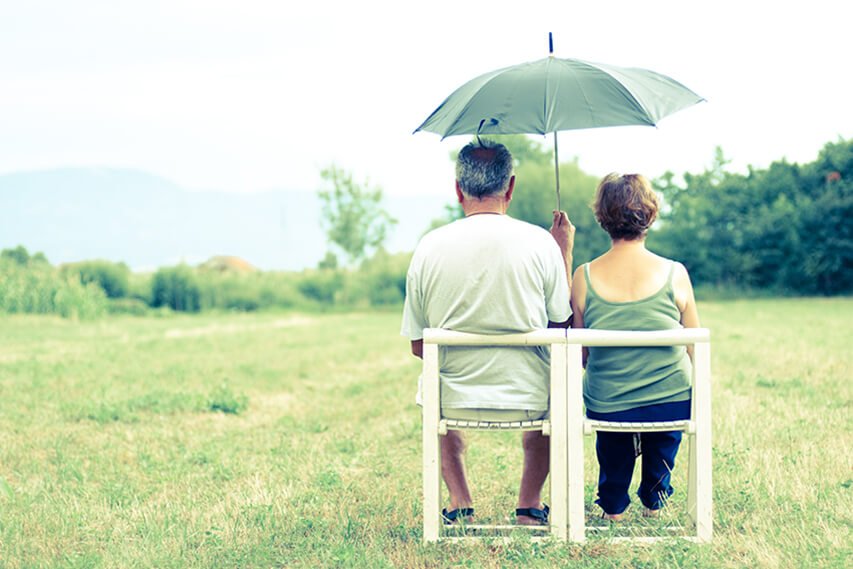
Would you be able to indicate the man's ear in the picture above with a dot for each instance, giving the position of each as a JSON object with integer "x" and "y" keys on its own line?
{"x": 508, "y": 194}
{"x": 459, "y": 195}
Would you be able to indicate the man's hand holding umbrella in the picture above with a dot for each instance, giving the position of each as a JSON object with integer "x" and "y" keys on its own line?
{"x": 563, "y": 232}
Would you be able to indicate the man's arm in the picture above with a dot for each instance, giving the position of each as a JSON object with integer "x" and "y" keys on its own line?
{"x": 563, "y": 233}
{"x": 418, "y": 348}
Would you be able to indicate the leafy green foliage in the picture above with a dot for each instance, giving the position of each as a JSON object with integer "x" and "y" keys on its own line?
{"x": 380, "y": 280}
{"x": 321, "y": 286}
{"x": 21, "y": 256}
{"x": 176, "y": 288}
{"x": 28, "y": 284}
{"x": 113, "y": 278}
{"x": 785, "y": 228}
{"x": 352, "y": 214}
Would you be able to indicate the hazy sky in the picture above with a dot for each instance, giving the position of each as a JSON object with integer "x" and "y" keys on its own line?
{"x": 255, "y": 94}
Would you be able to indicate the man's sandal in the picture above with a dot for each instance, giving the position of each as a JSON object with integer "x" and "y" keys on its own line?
{"x": 453, "y": 516}
{"x": 541, "y": 516}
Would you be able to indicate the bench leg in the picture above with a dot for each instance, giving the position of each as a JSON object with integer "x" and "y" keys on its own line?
{"x": 574, "y": 411}
{"x": 431, "y": 449}
{"x": 700, "y": 487}
{"x": 559, "y": 459}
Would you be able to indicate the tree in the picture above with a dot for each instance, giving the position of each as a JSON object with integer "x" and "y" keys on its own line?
{"x": 22, "y": 257}
{"x": 784, "y": 228}
{"x": 353, "y": 217}
{"x": 113, "y": 278}
{"x": 176, "y": 287}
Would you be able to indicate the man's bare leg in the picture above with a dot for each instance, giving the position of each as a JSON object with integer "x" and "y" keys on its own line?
{"x": 536, "y": 465}
{"x": 453, "y": 470}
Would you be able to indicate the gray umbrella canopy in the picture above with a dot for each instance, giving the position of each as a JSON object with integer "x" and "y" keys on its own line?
{"x": 551, "y": 94}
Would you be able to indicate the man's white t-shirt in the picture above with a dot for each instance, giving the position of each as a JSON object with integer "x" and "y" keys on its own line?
{"x": 488, "y": 274}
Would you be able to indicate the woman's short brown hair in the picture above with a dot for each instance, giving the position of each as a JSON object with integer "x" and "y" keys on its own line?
{"x": 625, "y": 206}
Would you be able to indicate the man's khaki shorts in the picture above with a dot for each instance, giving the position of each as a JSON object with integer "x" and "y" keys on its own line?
{"x": 493, "y": 415}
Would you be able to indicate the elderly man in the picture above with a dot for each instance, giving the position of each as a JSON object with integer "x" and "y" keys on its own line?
{"x": 491, "y": 274}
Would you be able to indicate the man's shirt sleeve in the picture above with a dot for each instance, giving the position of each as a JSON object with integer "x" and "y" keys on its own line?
{"x": 414, "y": 320}
{"x": 557, "y": 304}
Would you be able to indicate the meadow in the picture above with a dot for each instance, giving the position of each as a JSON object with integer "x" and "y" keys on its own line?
{"x": 292, "y": 440}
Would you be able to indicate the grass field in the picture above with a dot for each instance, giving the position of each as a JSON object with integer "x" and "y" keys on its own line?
{"x": 293, "y": 440}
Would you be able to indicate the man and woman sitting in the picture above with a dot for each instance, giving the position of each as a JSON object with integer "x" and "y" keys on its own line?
{"x": 488, "y": 273}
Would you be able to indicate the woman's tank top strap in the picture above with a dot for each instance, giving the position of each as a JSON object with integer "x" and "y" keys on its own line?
{"x": 589, "y": 290}
{"x": 671, "y": 273}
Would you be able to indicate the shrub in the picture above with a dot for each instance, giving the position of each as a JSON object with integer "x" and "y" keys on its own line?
{"x": 381, "y": 280}
{"x": 139, "y": 287}
{"x": 19, "y": 255}
{"x": 321, "y": 285}
{"x": 38, "y": 288}
{"x": 114, "y": 278}
{"x": 177, "y": 288}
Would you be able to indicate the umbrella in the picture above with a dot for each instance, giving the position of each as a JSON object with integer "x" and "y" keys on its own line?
{"x": 551, "y": 94}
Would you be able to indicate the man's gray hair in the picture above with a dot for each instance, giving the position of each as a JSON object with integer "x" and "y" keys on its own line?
{"x": 483, "y": 169}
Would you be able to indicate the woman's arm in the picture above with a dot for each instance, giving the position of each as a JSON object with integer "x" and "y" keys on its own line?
{"x": 685, "y": 300}
{"x": 578, "y": 303}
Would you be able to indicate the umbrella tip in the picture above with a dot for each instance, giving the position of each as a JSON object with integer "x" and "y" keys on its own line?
{"x": 550, "y": 44}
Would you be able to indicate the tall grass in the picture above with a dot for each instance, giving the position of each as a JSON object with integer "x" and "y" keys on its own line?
{"x": 119, "y": 449}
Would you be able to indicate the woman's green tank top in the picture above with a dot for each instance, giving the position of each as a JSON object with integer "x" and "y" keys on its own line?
{"x": 618, "y": 379}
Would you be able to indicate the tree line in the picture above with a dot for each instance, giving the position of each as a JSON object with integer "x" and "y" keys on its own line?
{"x": 785, "y": 229}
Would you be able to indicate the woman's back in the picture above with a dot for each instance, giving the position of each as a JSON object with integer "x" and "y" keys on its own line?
{"x": 627, "y": 276}
{"x": 637, "y": 297}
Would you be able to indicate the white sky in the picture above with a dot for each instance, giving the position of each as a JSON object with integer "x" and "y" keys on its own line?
{"x": 255, "y": 94}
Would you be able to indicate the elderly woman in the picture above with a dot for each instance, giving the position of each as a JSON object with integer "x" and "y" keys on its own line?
{"x": 631, "y": 288}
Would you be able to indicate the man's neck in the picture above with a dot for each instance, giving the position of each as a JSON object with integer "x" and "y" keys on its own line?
{"x": 488, "y": 205}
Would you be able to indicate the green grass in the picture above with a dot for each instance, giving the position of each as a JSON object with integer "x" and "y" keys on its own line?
{"x": 288, "y": 440}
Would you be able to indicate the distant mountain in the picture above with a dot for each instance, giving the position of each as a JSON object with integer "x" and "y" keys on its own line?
{"x": 146, "y": 221}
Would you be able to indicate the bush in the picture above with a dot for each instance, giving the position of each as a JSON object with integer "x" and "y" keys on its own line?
{"x": 248, "y": 291}
{"x": 114, "y": 278}
{"x": 381, "y": 280}
{"x": 321, "y": 285}
{"x": 20, "y": 256}
{"x": 784, "y": 229}
{"x": 139, "y": 287}
{"x": 177, "y": 288}
{"x": 41, "y": 289}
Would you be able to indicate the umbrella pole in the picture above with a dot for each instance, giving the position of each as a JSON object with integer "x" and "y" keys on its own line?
{"x": 557, "y": 169}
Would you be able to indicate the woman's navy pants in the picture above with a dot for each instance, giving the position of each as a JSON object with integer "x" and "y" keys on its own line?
{"x": 617, "y": 453}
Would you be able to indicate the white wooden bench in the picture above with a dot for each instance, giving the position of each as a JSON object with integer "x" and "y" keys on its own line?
{"x": 434, "y": 425}
{"x": 567, "y": 424}
{"x": 697, "y": 429}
